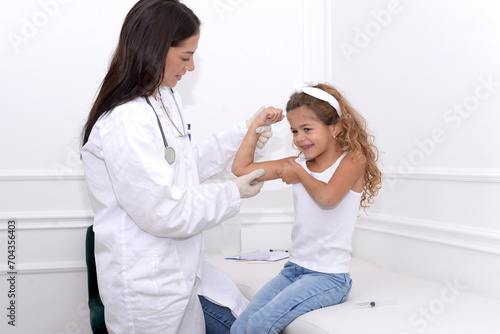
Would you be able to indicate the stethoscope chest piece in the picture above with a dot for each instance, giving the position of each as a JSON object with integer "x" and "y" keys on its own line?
{"x": 169, "y": 154}
{"x": 169, "y": 151}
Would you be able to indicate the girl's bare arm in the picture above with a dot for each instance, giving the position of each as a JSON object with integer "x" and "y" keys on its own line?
{"x": 244, "y": 163}
{"x": 349, "y": 175}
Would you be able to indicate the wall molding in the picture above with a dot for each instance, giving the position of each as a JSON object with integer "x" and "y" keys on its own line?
{"x": 482, "y": 240}
{"x": 48, "y": 220}
{"x": 42, "y": 175}
{"x": 482, "y": 175}
{"x": 62, "y": 220}
{"x": 48, "y": 268}
{"x": 488, "y": 175}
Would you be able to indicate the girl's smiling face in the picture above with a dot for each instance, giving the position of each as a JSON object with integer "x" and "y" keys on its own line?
{"x": 310, "y": 135}
{"x": 179, "y": 61}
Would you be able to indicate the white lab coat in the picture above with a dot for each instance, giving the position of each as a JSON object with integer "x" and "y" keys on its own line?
{"x": 148, "y": 216}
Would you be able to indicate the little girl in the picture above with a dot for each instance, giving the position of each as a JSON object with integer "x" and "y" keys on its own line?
{"x": 335, "y": 174}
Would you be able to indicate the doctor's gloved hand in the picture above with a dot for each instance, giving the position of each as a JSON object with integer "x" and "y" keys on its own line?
{"x": 265, "y": 117}
{"x": 265, "y": 133}
{"x": 246, "y": 184}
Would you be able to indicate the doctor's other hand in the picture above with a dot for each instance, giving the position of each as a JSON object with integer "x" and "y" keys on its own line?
{"x": 246, "y": 184}
{"x": 263, "y": 118}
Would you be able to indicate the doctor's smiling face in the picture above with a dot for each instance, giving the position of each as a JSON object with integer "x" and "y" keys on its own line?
{"x": 180, "y": 60}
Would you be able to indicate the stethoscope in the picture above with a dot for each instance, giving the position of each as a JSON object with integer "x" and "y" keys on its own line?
{"x": 169, "y": 151}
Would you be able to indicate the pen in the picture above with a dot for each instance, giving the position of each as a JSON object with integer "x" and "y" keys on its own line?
{"x": 189, "y": 131}
{"x": 278, "y": 250}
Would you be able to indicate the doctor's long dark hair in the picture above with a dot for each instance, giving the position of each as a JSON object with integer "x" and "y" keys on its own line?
{"x": 137, "y": 67}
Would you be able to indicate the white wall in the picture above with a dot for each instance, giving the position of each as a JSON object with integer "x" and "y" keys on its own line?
{"x": 435, "y": 215}
{"x": 425, "y": 74}
{"x": 54, "y": 56}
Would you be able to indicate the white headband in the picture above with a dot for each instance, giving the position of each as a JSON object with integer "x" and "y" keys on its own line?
{"x": 307, "y": 87}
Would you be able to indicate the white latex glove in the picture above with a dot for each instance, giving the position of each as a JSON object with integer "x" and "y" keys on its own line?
{"x": 265, "y": 131}
{"x": 246, "y": 184}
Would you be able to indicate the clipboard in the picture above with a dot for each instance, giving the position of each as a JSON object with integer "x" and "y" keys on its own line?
{"x": 266, "y": 256}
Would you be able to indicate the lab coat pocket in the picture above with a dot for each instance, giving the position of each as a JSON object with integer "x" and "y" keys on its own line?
{"x": 155, "y": 281}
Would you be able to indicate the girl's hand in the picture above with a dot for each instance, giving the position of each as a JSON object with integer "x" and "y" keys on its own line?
{"x": 268, "y": 116}
{"x": 290, "y": 172}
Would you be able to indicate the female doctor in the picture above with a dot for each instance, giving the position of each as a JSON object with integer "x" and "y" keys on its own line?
{"x": 143, "y": 178}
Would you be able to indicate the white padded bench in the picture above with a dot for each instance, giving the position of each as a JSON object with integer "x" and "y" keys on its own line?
{"x": 413, "y": 305}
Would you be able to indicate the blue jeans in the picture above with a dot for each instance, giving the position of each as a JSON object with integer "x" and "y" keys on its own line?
{"x": 218, "y": 319}
{"x": 293, "y": 292}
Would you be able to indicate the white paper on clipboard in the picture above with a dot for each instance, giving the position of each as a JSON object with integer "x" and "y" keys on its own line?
{"x": 266, "y": 256}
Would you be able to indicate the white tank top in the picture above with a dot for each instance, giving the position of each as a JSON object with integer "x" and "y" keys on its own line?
{"x": 322, "y": 236}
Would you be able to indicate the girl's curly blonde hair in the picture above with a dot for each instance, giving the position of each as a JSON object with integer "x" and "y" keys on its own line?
{"x": 353, "y": 137}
